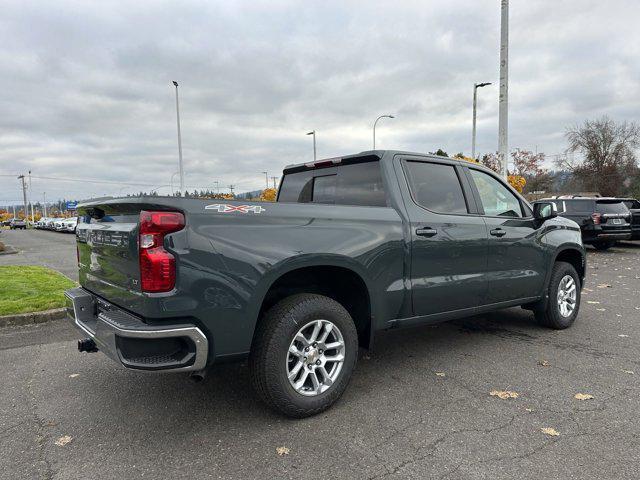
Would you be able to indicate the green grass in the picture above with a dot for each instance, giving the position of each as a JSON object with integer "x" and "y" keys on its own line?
{"x": 26, "y": 289}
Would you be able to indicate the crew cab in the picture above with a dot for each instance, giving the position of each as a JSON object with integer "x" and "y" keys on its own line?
{"x": 352, "y": 246}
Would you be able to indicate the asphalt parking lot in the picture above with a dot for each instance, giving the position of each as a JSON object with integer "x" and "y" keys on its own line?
{"x": 419, "y": 406}
{"x": 42, "y": 247}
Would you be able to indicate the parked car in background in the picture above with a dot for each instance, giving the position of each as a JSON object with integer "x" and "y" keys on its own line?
{"x": 58, "y": 224}
{"x": 69, "y": 224}
{"x": 634, "y": 207}
{"x": 353, "y": 245}
{"x": 17, "y": 224}
{"x": 603, "y": 221}
{"x": 6, "y": 223}
{"x": 49, "y": 224}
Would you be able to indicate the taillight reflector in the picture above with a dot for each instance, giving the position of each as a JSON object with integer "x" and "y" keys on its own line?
{"x": 157, "y": 266}
{"x": 596, "y": 218}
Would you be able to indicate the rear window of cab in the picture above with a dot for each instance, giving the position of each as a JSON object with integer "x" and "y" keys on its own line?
{"x": 352, "y": 184}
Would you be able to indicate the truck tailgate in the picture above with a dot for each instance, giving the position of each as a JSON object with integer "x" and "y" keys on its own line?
{"x": 108, "y": 257}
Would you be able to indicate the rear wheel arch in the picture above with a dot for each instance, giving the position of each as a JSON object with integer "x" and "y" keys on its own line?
{"x": 340, "y": 283}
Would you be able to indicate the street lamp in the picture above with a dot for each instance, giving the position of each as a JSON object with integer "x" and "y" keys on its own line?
{"x": 476, "y": 86}
{"x": 171, "y": 181}
{"x": 179, "y": 139}
{"x": 313, "y": 132}
{"x": 374, "y": 127}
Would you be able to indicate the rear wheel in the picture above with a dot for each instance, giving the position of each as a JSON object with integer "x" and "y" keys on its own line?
{"x": 563, "y": 303}
{"x": 603, "y": 245}
{"x": 303, "y": 354}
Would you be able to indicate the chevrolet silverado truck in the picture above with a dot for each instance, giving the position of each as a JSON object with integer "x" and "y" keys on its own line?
{"x": 352, "y": 246}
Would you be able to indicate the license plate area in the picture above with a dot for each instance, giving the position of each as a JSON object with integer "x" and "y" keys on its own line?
{"x": 617, "y": 221}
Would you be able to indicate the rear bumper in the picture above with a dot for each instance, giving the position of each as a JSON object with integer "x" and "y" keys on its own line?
{"x": 591, "y": 236}
{"x": 134, "y": 344}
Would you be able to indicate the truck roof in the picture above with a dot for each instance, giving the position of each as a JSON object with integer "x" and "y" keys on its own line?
{"x": 365, "y": 156}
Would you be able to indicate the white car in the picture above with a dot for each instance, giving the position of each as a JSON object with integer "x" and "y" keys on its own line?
{"x": 58, "y": 224}
{"x": 70, "y": 224}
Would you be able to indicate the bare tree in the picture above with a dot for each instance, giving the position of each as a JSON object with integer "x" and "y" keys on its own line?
{"x": 608, "y": 150}
{"x": 531, "y": 166}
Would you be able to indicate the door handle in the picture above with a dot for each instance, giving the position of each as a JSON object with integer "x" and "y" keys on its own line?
{"x": 426, "y": 232}
{"x": 498, "y": 232}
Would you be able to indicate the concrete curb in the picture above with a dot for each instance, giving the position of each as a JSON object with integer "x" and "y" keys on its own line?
{"x": 32, "y": 317}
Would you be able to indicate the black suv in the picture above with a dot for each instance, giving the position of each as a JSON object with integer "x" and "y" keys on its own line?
{"x": 634, "y": 207}
{"x": 603, "y": 221}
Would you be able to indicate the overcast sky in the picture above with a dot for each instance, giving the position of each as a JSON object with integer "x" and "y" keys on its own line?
{"x": 87, "y": 94}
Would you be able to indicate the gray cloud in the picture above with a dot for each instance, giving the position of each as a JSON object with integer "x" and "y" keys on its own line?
{"x": 87, "y": 86}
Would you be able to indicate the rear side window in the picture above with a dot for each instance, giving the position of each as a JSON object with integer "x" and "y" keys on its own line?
{"x": 611, "y": 207}
{"x": 436, "y": 187}
{"x": 579, "y": 206}
{"x": 354, "y": 184}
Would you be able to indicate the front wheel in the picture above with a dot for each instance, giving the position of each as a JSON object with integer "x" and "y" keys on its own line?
{"x": 303, "y": 354}
{"x": 563, "y": 303}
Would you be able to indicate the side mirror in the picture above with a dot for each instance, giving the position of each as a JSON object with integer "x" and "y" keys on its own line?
{"x": 544, "y": 211}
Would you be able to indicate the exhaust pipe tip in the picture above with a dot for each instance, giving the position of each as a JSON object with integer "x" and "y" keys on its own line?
{"x": 87, "y": 345}
{"x": 198, "y": 376}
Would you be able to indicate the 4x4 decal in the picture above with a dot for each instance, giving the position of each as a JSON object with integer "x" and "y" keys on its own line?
{"x": 226, "y": 208}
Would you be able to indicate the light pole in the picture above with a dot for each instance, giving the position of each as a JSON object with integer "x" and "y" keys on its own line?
{"x": 171, "y": 181}
{"x": 266, "y": 177}
{"x": 374, "y": 127}
{"x": 44, "y": 203}
{"x": 313, "y": 132}
{"x": 179, "y": 140}
{"x": 476, "y": 86}
{"x": 31, "y": 198}
{"x": 503, "y": 102}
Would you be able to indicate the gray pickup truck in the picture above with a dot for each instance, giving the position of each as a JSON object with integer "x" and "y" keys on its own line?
{"x": 354, "y": 245}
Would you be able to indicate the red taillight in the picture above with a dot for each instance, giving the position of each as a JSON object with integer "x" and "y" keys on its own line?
{"x": 157, "y": 266}
{"x": 596, "y": 217}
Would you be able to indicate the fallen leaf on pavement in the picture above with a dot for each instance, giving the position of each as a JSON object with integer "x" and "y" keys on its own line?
{"x": 583, "y": 396}
{"x": 630, "y": 372}
{"x": 601, "y": 309}
{"x": 282, "y": 451}
{"x": 622, "y": 335}
{"x": 543, "y": 363}
{"x": 62, "y": 441}
{"x": 74, "y": 375}
{"x": 550, "y": 431}
{"x": 529, "y": 410}
{"x": 592, "y": 301}
{"x": 503, "y": 394}
{"x": 440, "y": 374}
{"x": 604, "y": 285}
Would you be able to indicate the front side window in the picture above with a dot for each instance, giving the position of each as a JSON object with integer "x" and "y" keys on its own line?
{"x": 324, "y": 189}
{"x": 436, "y": 187}
{"x": 497, "y": 200}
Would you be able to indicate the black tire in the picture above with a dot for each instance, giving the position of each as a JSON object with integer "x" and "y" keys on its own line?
{"x": 268, "y": 358}
{"x": 548, "y": 313}
{"x": 603, "y": 245}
